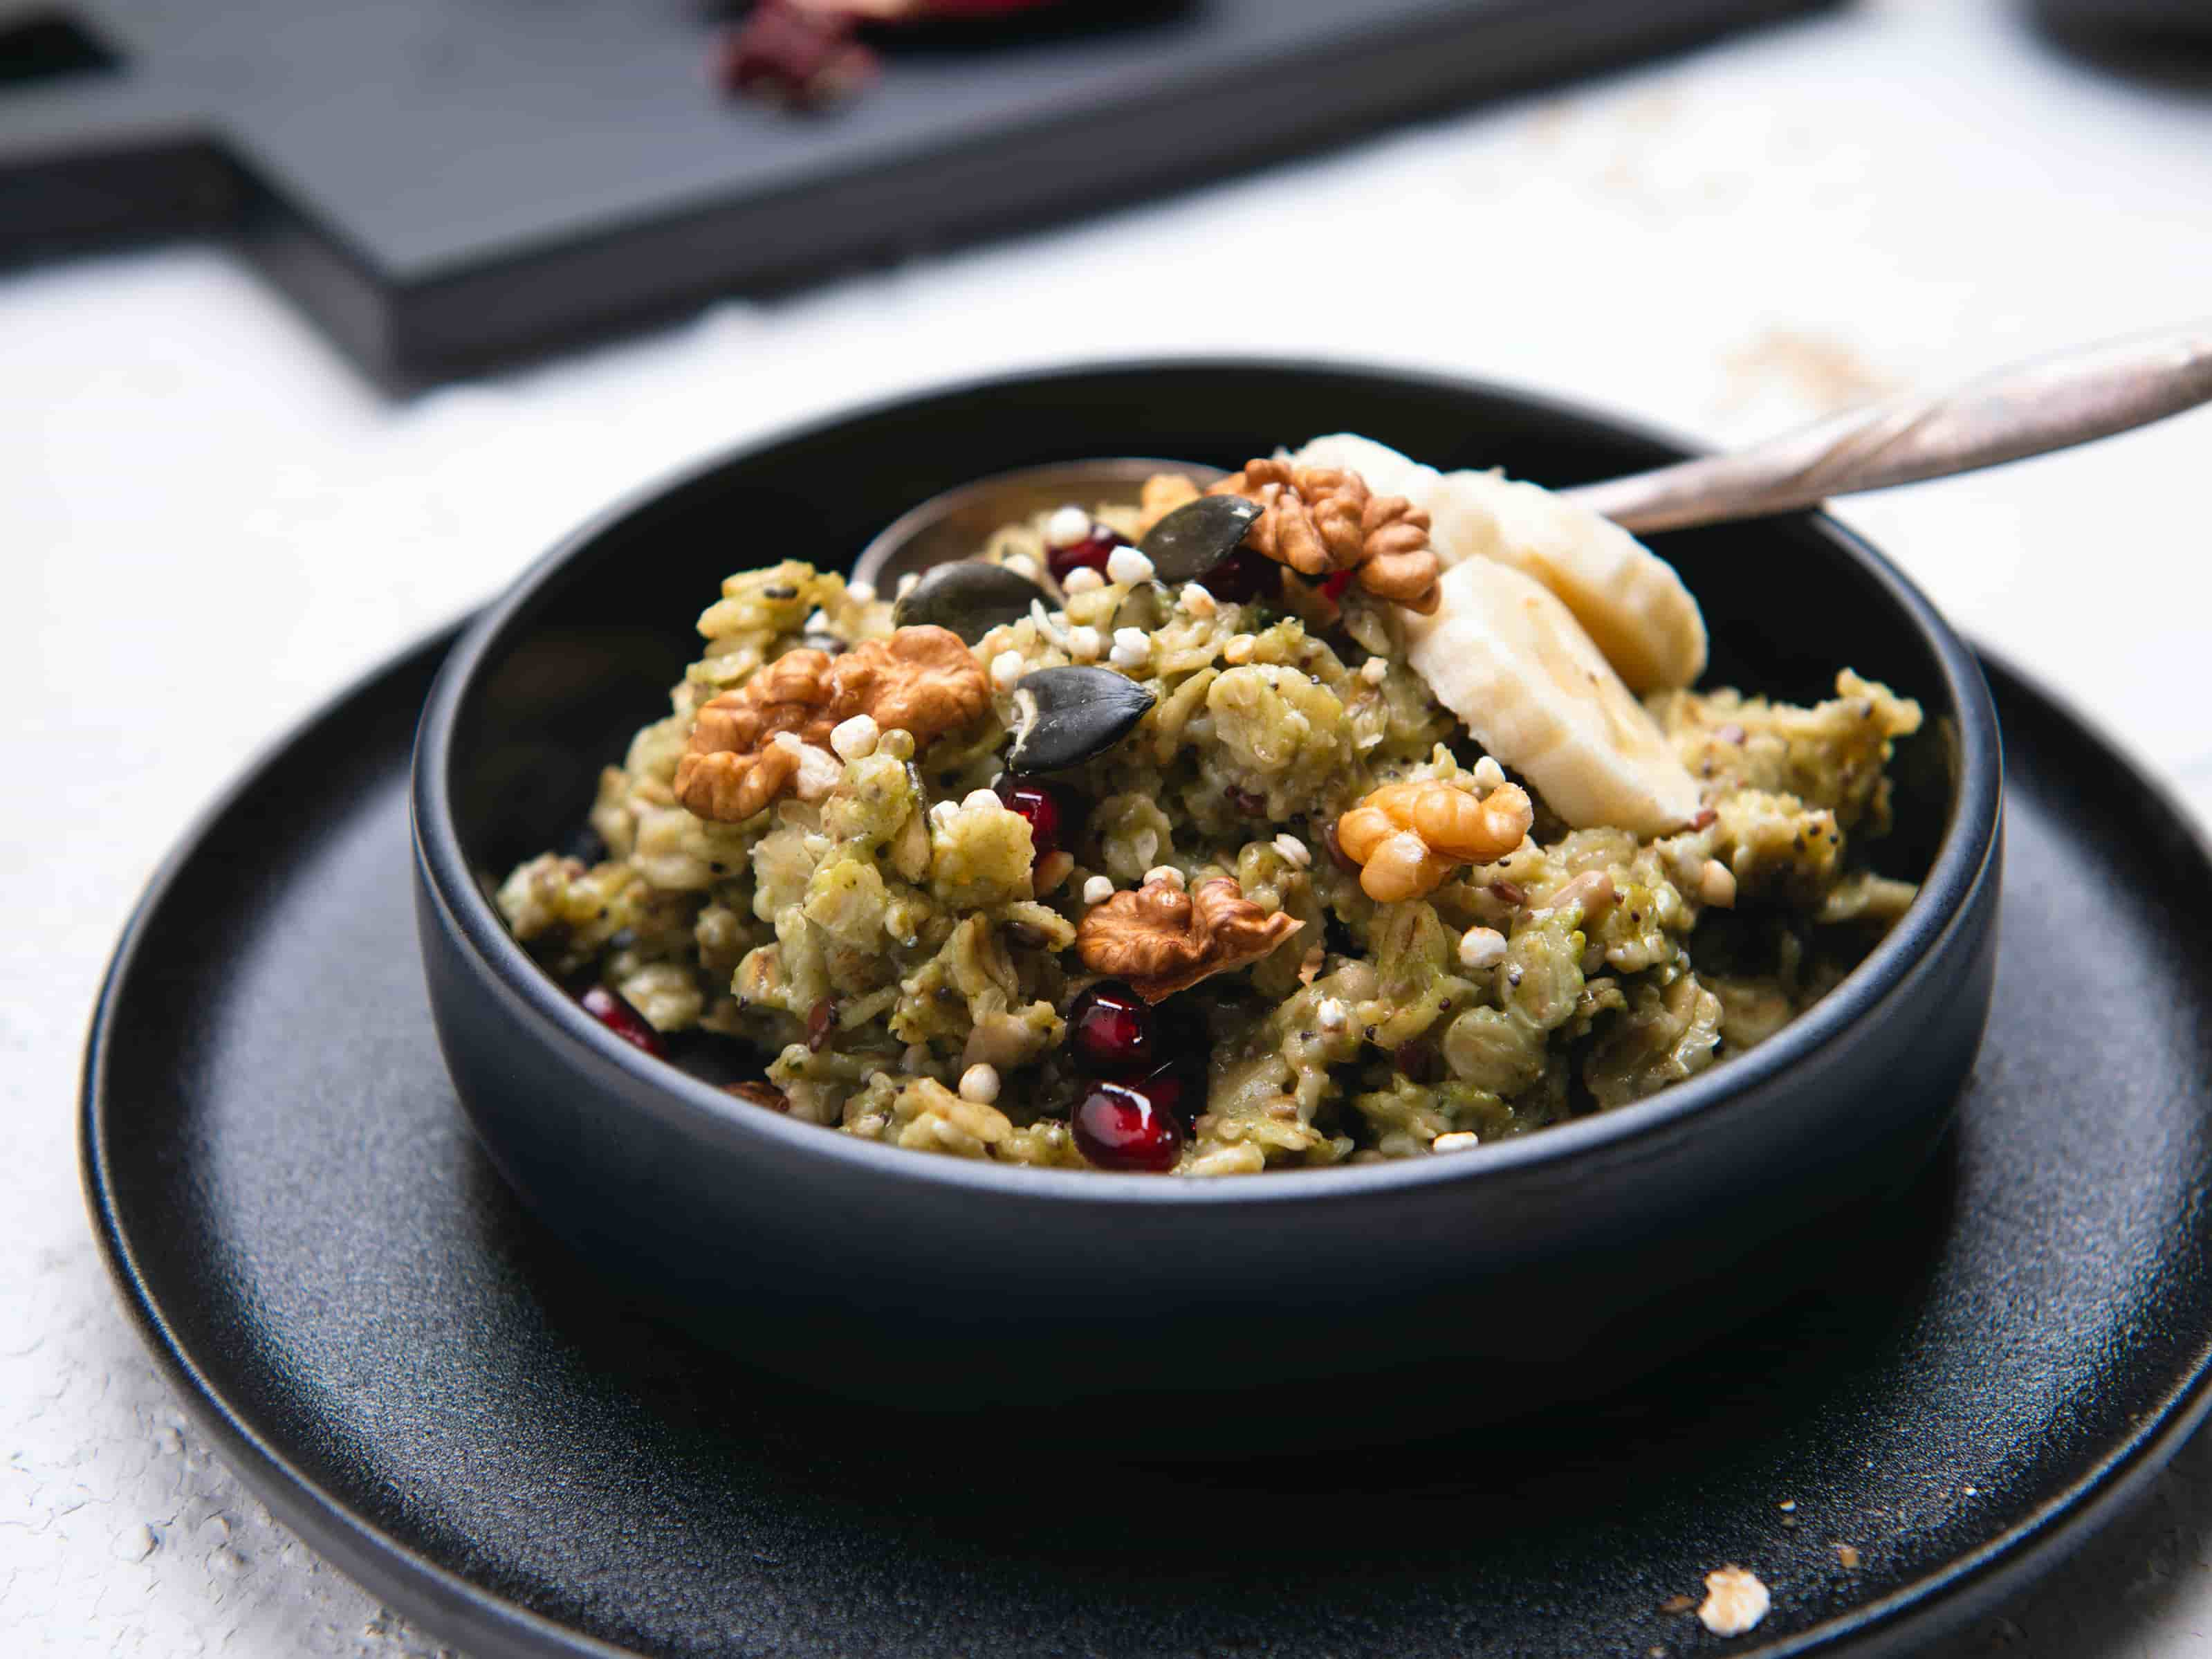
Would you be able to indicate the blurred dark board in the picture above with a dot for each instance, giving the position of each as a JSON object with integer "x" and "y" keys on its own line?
{"x": 442, "y": 182}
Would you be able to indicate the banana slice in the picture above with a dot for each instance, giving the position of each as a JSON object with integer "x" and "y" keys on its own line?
{"x": 1626, "y": 597}
{"x": 1511, "y": 661}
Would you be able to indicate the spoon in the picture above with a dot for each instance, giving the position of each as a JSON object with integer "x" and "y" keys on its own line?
{"x": 2031, "y": 409}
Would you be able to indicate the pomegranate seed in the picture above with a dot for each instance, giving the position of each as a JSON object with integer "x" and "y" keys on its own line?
{"x": 1333, "y": 589}
{"x": 1174, "y": 1089}
{"x": 1089, "y": 554}
{"x": 624, "y": 1021}
{"x": 1109, "y": 1029}
{"x": 1242, "y": 577}
{"x": 1418, "y": 1059}
{"x": 1049, "y": 809}
{"x": 795, "y": 53}
{"x": 1118, "y": 1127}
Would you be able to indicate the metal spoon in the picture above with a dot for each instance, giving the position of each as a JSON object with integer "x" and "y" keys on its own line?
{"x": 956, "y": 523}
{"x": 2050, "y": 403}
{"x": 2032, "y": 409}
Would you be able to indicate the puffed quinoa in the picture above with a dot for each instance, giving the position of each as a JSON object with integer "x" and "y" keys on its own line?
{"x": 1717, "y": 885}
{"x": 1097, "y": 889}
{"x": 1480, "y": 948}
{"x": 1066, "y": 527}
{"x": 1127, "y": 566}
{"x": 1084, "y": 644}
{"x": 1166, "y": 873}
{"x": 1489, "y": 775}
{"x": 1197, "y": 601}
{"x": 1006, "y": 668}
{"x": 855, "y": 738}
{"x": 1331, "y": 1014}
{"x": 1374, "y": 670}
{"x": 979, "y": 1083}
{"x": 1239, "y": 649}
{"x": 1082, "y": 579}
{"x": 1133, "y": 649}
{"x": 1294, "y": 849}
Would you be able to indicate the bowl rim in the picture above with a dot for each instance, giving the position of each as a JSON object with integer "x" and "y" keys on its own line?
{"x": 1968, "y": 846}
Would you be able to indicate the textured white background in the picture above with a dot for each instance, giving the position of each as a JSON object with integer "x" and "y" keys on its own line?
{"x": 208, "y": 523}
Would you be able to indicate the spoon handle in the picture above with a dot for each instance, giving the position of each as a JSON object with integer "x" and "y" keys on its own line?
{"x": 2031, "y": 409}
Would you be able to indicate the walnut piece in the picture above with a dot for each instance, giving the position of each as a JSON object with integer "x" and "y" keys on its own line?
{"x": 1164, "y": 492}
{"x": 921, "y": 679}
{"x": 1407, "y": 837}
{"x": 1736, "y": 1601}
{"x": 1162, "y": 939}
{"x": 1317, "y": 519}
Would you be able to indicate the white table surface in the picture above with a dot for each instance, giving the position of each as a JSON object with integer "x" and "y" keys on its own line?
{"x": 208, "y": 523}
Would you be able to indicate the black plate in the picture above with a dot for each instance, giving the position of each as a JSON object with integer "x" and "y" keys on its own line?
{"x": 435, "y": 1394}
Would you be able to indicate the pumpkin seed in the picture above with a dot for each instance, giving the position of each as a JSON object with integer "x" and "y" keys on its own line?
{"x": 968, "y": 597}
{"x": 1192, "y": 542}
{"x": 1066, "y": 716}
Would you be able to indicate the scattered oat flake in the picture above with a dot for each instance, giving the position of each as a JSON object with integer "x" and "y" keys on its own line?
{"x": 1787, "y": 1504}
{"x": 1678, "y": 1604}
{"x": 1736, "y": 1601}
{"x": 1848, "y": 1555}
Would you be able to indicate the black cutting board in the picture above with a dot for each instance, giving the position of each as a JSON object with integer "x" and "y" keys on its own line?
{"x": 429, "y": 1390}
{"x": 443, "y": 181}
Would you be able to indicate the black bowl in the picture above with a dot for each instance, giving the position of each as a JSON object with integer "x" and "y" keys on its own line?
{"x": 1562, "y": 1263}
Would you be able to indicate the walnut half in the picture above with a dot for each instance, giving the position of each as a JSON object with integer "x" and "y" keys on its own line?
{"x": 1317, "y": 519}
{"x": 1162, "y": 939}
{"x": 921, "y": 679}
{"x": 1407, "y": 837}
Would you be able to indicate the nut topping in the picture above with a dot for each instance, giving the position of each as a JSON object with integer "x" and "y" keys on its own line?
{"x": 1164, "y": 492}
{"x": 921, "y": 680}
{"x": 1161, "y": 940}
{"x": 1318, "y": 519}
{"x": 1408, "y": 837}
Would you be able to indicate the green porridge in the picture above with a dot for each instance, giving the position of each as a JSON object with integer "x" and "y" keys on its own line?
{"x": 1291, "y": 823}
